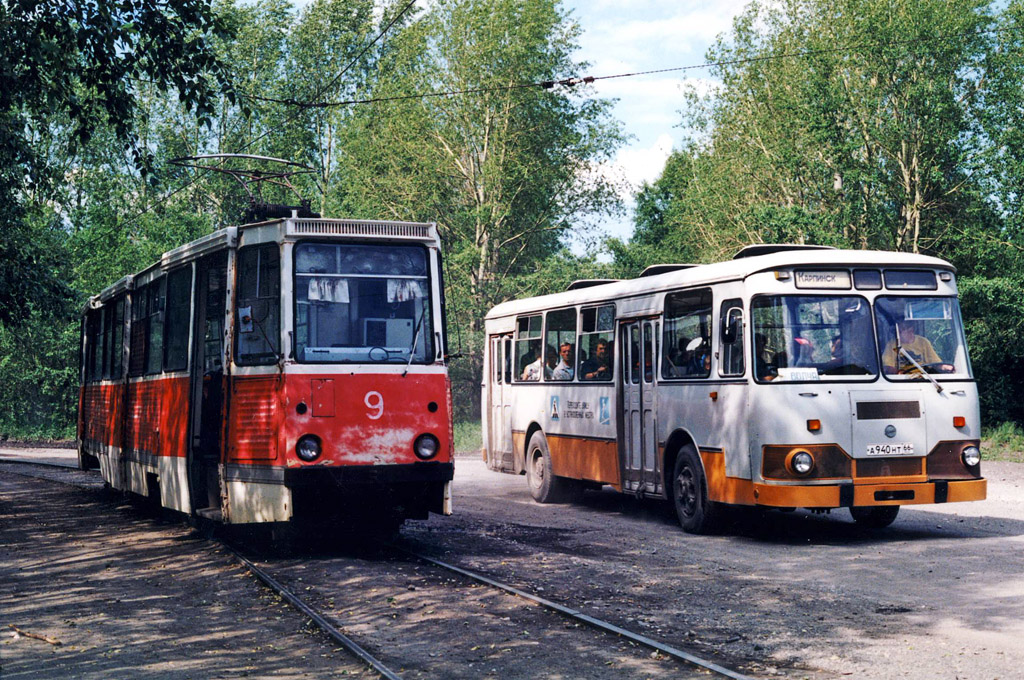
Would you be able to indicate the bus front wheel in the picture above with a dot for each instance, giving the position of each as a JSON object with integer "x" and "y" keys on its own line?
{"x": 545, "y": 487}
{"x": 697, "y": 514}
{"x": 877, "y": 517}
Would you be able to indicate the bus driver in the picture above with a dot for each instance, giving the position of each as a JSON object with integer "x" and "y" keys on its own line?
{"x": 917, "y": 346}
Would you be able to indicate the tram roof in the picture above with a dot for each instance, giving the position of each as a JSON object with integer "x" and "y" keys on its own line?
{"x": 295, "y": 226}
{"x": 718, "y": 272}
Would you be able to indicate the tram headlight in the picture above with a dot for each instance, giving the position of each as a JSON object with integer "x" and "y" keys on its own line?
{"x": 801, "y": 462}
{"x": 308, "y": 448}
{"x": 426, "y": 446}
{"x": 971, "y": 456}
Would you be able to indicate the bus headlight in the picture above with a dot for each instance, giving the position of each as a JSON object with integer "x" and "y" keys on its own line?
{"x": 971, "y": 456}
{"x": 308, "y": 448}
{"x": 801, "y": 462}
{"x": 426, "y": 446}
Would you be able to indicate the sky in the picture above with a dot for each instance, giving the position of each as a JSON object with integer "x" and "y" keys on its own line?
{"x": 645, "y": 35}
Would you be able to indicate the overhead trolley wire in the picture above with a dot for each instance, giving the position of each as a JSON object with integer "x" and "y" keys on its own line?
{"x": 288, "y": 119}
{"x": 580, "y": 80}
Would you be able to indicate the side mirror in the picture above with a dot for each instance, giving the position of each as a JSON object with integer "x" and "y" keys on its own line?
{"x": 732, "y": 325}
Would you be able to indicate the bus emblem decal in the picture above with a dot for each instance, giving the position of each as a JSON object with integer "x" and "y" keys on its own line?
{"x": 605, "y": 416}
{"x": 554, "y": 408}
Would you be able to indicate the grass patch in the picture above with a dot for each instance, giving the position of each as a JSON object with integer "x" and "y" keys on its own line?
{"x": 467, "y": 436}
{"x": 1003, "y": 442}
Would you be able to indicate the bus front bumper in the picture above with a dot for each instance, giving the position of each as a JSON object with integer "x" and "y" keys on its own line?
{"x": 866, "y": 495}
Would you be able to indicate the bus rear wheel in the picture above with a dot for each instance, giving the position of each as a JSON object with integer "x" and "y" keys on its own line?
{"x": 877, "y": 517}
{"x": 697, "y": 514}
{"x": 545, "y": 487}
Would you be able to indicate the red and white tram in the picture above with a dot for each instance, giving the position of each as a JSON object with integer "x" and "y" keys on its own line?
{"x": 291, "y": 370}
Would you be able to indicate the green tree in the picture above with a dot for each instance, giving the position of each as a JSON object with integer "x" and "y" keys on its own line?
{"x": 506, "y": 171}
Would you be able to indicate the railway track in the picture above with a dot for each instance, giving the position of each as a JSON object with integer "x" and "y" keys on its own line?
{"x": 277, "y": 582}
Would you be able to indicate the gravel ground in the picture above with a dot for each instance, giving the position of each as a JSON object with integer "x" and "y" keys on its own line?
{"x": 940, "y": 594}
{"x": 117, "y": 595}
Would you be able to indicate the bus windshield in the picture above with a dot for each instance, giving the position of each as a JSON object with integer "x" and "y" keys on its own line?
{"x": 921, "y": 334}
{"x": 799, "y": 338}
{"x": 362, "y": 304}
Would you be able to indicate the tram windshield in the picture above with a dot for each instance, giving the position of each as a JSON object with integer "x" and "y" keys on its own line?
{"x": 362, "y": 304}
{"x": 921, "y": 335}
{"x": 798, "y": 338}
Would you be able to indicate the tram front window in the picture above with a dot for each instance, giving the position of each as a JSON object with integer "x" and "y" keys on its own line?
{"x": 798, "y": 338}
{"x": 362, "y": 304}
{"x": 921, "y": 334}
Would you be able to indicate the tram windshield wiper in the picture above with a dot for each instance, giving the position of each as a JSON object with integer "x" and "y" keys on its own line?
{"x": 415, "y": 340}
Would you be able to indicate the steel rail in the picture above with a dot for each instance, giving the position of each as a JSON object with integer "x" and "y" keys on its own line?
{"x": 585, "y": 618}
{"x": 315, "y": 616}
{"x": 276, "y": 586}
{"x": 385, "y": 672}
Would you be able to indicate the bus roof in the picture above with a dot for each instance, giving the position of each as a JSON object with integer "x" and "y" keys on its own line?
{"x": 718, "y": 272}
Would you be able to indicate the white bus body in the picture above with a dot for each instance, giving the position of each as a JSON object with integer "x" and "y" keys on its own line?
{"x": 798, "y": 378}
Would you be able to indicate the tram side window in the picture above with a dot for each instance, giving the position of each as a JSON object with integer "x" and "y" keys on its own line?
{"x": 157, "y": 294}
{"x": 179, "y": 288}
{"x": 529, "y": 362}
{"x": 258, "y": 308}
{"x": 732, "y": 338}
{"x": 597, "y": 331}
{"x": 94, "y": 343}
{"x": 139, "y": 333}
{"x": 560, "y": 349}
{"x": 687, "y": 335}
{"x": 113, "y": 339}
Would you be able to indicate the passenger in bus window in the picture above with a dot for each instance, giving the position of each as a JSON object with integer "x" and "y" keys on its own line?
{"x": 597, "y": 367}
{"x": 803, "y": 351}
{"x": 533, "y": 370}
{"x": 563, "y": 370}
{"x": 917, "y": 346}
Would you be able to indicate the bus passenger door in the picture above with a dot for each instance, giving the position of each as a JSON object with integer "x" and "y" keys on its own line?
{"x": 637, "y": 340}
{"x": 500, "y": 433}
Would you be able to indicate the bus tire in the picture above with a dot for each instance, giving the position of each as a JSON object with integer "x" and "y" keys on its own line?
{"x": 545, "y": 487}
{"x": 877, "y": 517}
{"x": 697, "y": 514}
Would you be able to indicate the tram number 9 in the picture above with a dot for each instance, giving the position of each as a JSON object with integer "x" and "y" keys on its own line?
{"x": 375, "y": 402}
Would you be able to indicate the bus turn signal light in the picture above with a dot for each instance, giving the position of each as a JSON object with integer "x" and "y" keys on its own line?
{"x": 959, "y": 421}
{"x": 813, "y": 425}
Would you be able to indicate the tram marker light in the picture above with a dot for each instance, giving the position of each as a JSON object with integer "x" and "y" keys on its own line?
{"x": 959, "y": 421}
{"x": 814, "y": 425}
{"x": 308, "y": 449}
{"x": 426, "y": 446}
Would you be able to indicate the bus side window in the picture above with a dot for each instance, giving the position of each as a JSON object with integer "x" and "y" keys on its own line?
{"x": 597, "y": 331}
{"x": 561, "y": 335}
{"x": 687, "y": 334}
{"x": 529, "y": 361}
{"x": 732, "y": 338}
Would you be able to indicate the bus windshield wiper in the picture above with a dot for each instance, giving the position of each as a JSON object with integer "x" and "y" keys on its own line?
{"x": 926, "y": 374}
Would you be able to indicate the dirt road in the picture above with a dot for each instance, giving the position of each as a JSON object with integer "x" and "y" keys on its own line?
{"x": 940, "y": 594}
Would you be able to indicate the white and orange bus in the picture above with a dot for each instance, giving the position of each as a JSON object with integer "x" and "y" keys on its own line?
{"x": 788, "y": 377}
{"x": 287, "y": 371}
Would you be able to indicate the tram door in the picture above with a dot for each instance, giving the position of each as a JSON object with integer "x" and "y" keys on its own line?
{"x": 638, "y": 350}
{"x": 500, "y": 443}
{"x": 208, "y": 385}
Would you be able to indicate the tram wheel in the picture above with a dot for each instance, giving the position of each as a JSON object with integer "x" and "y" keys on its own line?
{"x": 545, "y": 487}
{"x": 877, "y": 517}
{"x": 697, "y": 515}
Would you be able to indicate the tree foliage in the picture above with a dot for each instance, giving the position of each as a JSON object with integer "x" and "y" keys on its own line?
{"x": 861, "y": 124}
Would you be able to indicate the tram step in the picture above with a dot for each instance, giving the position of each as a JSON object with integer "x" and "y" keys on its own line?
{"x": 210, "y": 513}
